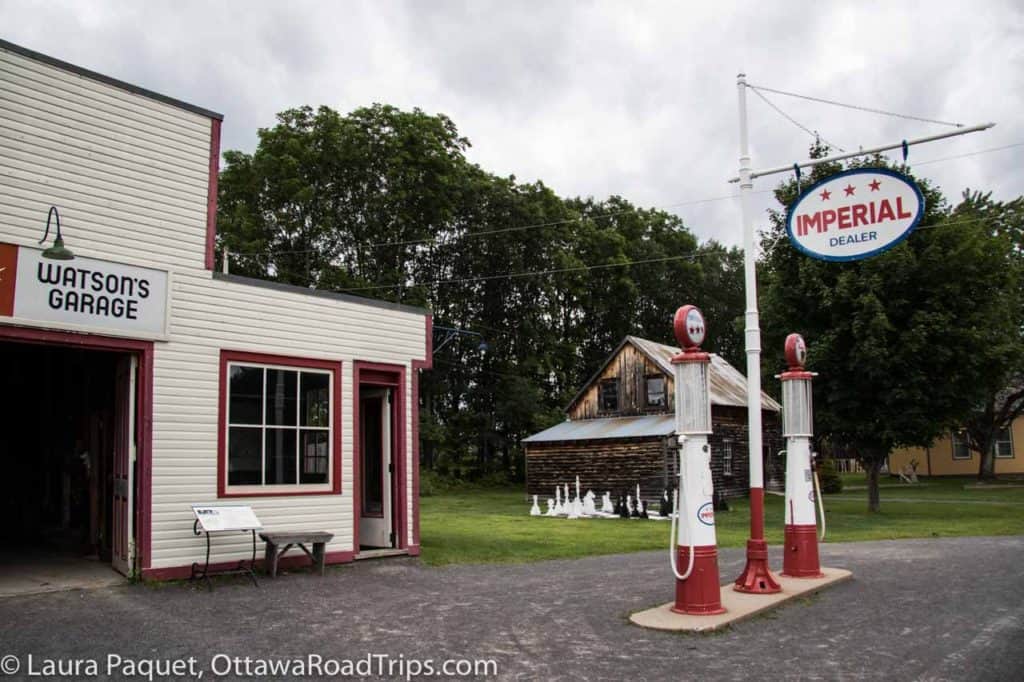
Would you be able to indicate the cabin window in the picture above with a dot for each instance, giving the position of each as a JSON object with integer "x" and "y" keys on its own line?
{"x": 960, "y": 449}
{"x": 656, "y": 391}
{"x": 1003, "y": 445}
{"x": 608, "y": 398}
{"x": 727, "y": 458}
{"x": 278, "y": 428}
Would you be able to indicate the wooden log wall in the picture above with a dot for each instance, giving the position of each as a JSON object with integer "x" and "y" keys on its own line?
{"x": 618, "y": 465}
{"x": 631, "y": 368}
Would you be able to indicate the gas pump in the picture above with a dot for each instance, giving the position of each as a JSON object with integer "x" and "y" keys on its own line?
{"x": 697, "y": 588}
{"x": 801, "y": 542}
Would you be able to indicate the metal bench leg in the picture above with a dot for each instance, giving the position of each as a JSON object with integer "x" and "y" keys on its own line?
{"x": 270, "y": 559}
{"x": 319, "y": 556}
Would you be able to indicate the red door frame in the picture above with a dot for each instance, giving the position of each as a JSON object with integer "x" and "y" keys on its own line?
{"x": 143, "y": 350}
{"x": 388, "y": 376}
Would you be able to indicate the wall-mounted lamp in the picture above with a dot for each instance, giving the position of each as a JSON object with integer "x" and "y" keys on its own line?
{"x": 58, "y": 250}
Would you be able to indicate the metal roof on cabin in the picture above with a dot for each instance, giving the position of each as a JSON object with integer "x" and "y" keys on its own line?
{"x": 602, "y": 429}
{"x": 728, "y": 385}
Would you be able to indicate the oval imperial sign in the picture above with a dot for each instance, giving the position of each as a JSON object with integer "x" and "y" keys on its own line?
{"x": 855, "y": 214}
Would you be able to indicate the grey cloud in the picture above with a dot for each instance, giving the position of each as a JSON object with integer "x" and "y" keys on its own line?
{"x": 635, "y": 99}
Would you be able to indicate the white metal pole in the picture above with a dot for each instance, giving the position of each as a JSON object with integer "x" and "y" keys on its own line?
{"x": 755, "y": 578}
{"x": 752, "y": 328}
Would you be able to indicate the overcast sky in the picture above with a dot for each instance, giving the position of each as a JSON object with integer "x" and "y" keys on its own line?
{"x": 593, "y": 98}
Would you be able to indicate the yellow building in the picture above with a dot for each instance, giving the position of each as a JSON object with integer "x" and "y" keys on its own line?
{"x": 950, "y": 456}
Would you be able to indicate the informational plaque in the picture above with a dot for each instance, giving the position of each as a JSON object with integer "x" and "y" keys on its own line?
{"x": 215, "y": 518}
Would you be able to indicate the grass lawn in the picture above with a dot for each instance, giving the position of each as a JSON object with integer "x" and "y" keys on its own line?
{"x": 494, "y": 525}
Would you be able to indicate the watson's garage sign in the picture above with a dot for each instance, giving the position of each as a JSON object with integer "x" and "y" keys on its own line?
{"x": 83, "y": 292}
{"x": 855, "y": 214}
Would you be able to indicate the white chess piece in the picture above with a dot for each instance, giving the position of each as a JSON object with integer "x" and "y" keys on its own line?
{"x": 589, "y": 509}
{"x": 606, "y": 503}
{"x": 551, "y": 507}
{"x": 559, "y": 509}
{"x": 535, "y": 509}
{"x": 629, "y": 504}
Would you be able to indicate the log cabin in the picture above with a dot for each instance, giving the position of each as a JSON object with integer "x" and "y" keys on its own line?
{"x": 620, "y": 430}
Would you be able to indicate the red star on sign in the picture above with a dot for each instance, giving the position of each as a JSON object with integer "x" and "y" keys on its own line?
{"x": 874, "y": 185}
{"x": 849, "y": 190}
{"x": 826, "y": 195}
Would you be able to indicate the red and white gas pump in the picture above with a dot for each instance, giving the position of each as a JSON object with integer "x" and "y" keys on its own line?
{"x": 801, "y": 532}
{"x": 697, "y": 588}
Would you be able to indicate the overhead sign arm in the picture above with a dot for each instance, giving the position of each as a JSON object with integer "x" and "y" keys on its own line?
{"x": 810, "y": 163}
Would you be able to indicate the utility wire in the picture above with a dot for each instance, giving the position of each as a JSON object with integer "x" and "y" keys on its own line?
{"x": 871, "y": 110}
{"x": 528, "y": 273}
{"x": 974, "y": 153}
{"x": 579, "y": 268}
{"x": 600, "y": 215}
{"x": 518, "y": 228}
{"x": 813, "y": 133}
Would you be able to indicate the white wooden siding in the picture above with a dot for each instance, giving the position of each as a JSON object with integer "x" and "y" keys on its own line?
{"x": 129, "y": 175}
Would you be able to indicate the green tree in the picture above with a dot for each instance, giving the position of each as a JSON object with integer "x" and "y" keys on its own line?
{"x": 382, "y": 202}
{"x": 899, "y": 339}
{"x": 1002, "y": 378}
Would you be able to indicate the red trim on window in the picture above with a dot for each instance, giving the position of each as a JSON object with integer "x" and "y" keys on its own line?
{"x": 144, "y": 414}
{"x": 377, "y": 374}
{"x": 211, "y": 193}
{"x": 426, "y": 363}
{"x": 227, "y": 356}
{"x": 290, "y": 561}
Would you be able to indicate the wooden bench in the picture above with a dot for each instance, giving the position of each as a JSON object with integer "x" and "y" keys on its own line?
{"x": 317, "y": 539}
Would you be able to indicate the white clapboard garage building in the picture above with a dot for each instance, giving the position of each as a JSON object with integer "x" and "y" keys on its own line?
{"x": 138, "y": 382}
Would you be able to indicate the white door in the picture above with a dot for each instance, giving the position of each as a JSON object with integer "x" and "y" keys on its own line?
{"x": 376, "y": 468}
{"x": 122, "y": 530}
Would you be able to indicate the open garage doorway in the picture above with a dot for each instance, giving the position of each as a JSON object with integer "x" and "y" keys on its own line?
{"x": 67, "y": 449}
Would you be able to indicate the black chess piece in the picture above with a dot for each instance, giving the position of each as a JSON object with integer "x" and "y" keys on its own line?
{"x": 622, "y": 508}
{"x": 666, "y": 505}
{"x": 642, "y": 509}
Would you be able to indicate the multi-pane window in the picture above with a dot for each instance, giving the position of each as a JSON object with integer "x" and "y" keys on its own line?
{"x": 1003, "y": 444}
{"x": 655, "y": 391}
{"x": 278, "y": 426}
{"x": 608, "y": 398}
{"x": 960, "y": 448}
{"x": 727, "y": 457}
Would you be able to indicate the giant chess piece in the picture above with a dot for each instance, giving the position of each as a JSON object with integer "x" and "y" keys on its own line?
{"x": 535, "y": 509}
{"x": 559, "y": 509}
{"x": 622, "y": 507}
{"x": 589, "y": 508}
{"x": 643, "y": 509}
{"x": 666, "y": 504}
{"x": 551, "y": 508}
{"x": 606, "y": 504}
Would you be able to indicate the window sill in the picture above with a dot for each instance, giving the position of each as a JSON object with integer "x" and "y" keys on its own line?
{"x": 283, "y": 491}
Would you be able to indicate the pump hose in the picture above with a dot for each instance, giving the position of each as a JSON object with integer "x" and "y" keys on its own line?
{"x": 821, "y": 505}
{"x": 672, "y": 525}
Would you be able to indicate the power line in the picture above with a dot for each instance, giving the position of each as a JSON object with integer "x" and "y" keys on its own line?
{"x": 812, "y": 133}
{"x": 871, "y": 110}
{"x": 516, "y": 228}
{"x": 528, "y": 273}
{"x": 974, "y": 153}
